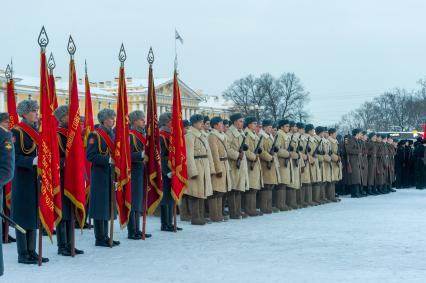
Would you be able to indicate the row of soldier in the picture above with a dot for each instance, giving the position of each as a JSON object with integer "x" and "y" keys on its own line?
{"x": 236, "y": 169}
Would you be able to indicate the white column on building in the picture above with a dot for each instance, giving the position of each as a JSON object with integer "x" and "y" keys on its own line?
{"x": 133, "y": 107}
{"x": 187, "y": 115}
{"x": 158, "y": 110}
{"x": 2, "y": 100}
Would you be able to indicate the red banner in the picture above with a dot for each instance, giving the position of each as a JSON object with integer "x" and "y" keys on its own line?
{"x": 177, "y": 148}
{"x": 74, "y": 182}
{"x": 152, "y": 175}
{"x": 52, "y": 87}
{"x": 123, "y": 162}
{"x": 48, "y": 157}
{"x": 13, "y": 120}
{"x": 89, "y": 127}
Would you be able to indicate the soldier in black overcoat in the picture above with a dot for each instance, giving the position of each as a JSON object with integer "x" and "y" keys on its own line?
{"x": 167, "y": 202}
{"x": 99, "y": 153}
{"x": 25, "y": 192}
{"x": 7, "y": 163}
{"x": 137, "y": 147}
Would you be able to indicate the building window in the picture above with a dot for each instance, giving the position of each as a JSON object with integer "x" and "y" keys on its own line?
{"x": 109, "y": 105}
{"x": 29, "y": 96}
{"x": 99, "y": 105}
{"x": 66, "y": 100}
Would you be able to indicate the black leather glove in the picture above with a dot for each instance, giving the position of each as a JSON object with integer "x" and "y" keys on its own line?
{"x": 259, "y": 151}
{"x": 245, "y": 147}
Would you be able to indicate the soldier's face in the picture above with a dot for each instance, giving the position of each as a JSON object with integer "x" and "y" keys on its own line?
{"x": 31, "y": 117}
{"x": 286, "y": 128}
{"x": 268, "y": 129}
{"x": 109, "y": 122}
{"x": 198, "y": 125}
{"x": 252, "y": 126}
{"x": 374, "y": 138}
{"x": 326, "y": 135}
{"x": 239, "y": 124}
{"x": 301, "y": 131}
{"x": 5, "y": 124}
{"x": 139, "y": 123}
{"x": 334, "y": 135}
{"x": 64, "y": 120}
{"x": 219, "y": 127}
{"x": 207, "y": 125}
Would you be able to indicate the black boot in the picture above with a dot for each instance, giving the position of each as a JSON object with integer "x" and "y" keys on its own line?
{"x": 99, "y": 234}
{"x": 392, "y": 190}
{"x": 31, "y": 244}
{"x": 164, "y": 219}
{"x": 69, "y": 237}
{"x": 21, "y": 244}
{"x": 61, "y": 239}
{"x": 354, "y": 192}
{"x": 131, "y": 227}
{"x": 114, "y": 243}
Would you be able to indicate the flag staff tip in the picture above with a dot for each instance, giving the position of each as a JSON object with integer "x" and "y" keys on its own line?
{"x": 43, "y": 39}
{"x": 71, "y": 47}
{"x": 51, "y": 63}
{"x": 8, "y": 72}
{"x": 122, "y": 56}
{"x": 85, "y": 67}
{"x": 150, "y": 57}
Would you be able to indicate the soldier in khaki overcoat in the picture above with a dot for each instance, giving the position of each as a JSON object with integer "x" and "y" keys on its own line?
{"x": 221, "y": 181}
{"x": 270, "y": 167}
{"x": 336, "y": 164}
{"x": 305, "y": 172}
{"x": 200, "y": 168}
{"x": 294, "y": 195}
{"x": 254, "y": 168}
{"x": 313, "y": 163}
{"x": 354, "y": 152}
{"x": 285, "y": 168}
{"x": 238, "y": 163}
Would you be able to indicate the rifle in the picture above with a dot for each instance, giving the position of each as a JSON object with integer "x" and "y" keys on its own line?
{"x": 289, "y": 148}
{"x": 13, "y": 223}
{"x": 240, "y": 150}
{"x": 272, "y": 152}
{"x": 256, "y": 150}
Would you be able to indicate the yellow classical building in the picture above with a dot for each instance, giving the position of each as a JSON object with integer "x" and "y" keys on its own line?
{"x": 104, "y": 95}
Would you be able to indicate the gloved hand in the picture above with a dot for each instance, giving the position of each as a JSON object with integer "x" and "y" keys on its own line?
{"x": 111, "y": 161}
{"x": 35, "y": 160}
{"x": 143, "y": 154}
{"x": 245, "y": 147}
{"x": 169, "y": 175}
{"x": 276, "y": 149}
{"x": 219, "y": 175}
{"x": 259, "y": 151}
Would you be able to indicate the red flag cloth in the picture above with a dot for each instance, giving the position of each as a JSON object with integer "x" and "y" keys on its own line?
{"x": 13, "y": 120}
{"x": 123, "y": 162}
{"x": 152, "y": 174}
{"x": 89, "y": 127}
{"x": 177, "y": 148}
{"x": 74, "y": 182}
{"x": 54, "y": 99}
{"x": 424, "y": 131}
{"x": 48, "y": 157}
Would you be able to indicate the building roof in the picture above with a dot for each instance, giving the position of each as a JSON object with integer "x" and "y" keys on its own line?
{"x": 217, "y": 102}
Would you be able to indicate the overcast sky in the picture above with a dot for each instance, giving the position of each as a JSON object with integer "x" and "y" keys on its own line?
{"x": 345, "y": 52}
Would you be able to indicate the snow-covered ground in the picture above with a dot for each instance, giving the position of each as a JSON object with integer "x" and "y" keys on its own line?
{"x": 374, "y": 239}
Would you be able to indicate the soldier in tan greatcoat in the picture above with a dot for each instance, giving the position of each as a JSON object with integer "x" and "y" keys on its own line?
{"x": 221, "y": 181}
{"x": 270, "y": 167}
{"x": 326, "y": 165}
{"x": 285, "y": 169}
{"x": 294, "y": 196}
{"x": 313, "y": 163}
{"x": 336, "y": 165}
{"x": 305, "y": 174}
{"x": 354, "y": 152}
{"x": 200, "y": 168}
{"x": 238, "y": 163}
{"x": 254, "y": 144}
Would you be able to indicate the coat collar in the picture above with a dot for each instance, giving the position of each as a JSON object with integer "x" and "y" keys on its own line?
{"x": 218, "y": 134}
{"x": 265, "y": 135}
{"x": 197, "y": 133}
{"x": 250, "y": 134}
{"x": 235, "y": 131}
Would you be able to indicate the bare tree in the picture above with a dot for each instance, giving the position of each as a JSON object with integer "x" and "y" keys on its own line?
{"x": 243, "y": 93}
{"x": 292, "y": 96}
